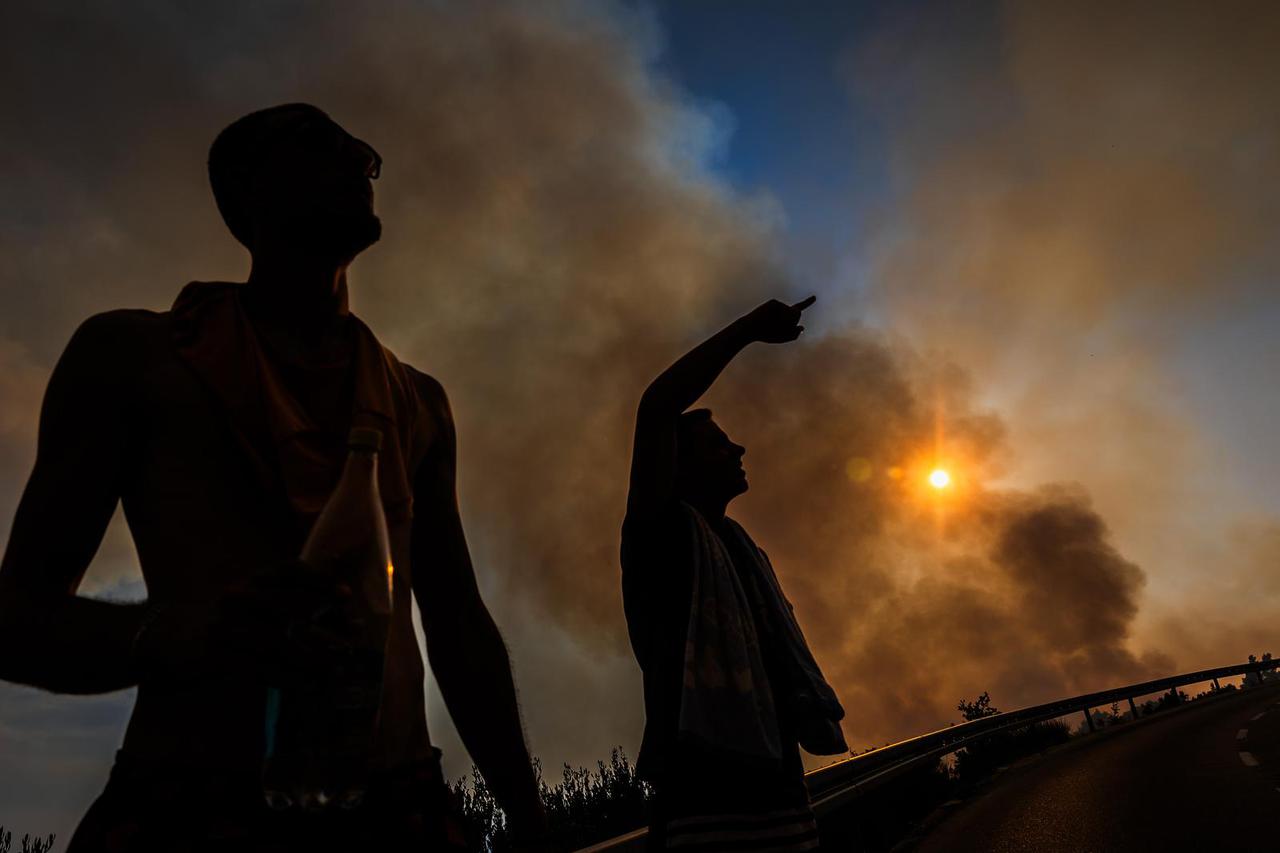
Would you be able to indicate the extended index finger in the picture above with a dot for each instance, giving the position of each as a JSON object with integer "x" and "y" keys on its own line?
{"x": 805, "y": 303}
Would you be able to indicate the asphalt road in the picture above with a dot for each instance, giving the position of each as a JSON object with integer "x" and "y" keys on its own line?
{"x": 1202, "y": 778}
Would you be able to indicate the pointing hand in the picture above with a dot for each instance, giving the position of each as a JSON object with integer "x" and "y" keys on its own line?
{"x": 776, "y": 322}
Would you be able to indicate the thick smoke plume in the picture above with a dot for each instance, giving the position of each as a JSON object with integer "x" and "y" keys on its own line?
{"x": 1084, "y": 209}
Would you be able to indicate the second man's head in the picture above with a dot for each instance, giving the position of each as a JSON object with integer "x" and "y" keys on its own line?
{"x": 708, "y": 463}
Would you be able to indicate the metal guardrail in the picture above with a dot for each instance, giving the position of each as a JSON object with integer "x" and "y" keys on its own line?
{"x": 836, "y": 785}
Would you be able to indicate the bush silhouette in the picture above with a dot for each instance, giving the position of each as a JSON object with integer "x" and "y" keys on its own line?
{"x": 980, "y": 758}
{"x": 29, "y": 844}
{"x": 585, "y": 807}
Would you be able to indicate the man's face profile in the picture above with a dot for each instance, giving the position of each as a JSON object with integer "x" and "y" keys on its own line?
{"x": 308, "y": 188}
{"x": 710, "y": 458}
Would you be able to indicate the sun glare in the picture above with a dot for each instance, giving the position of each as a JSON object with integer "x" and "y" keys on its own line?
{"x": 939, "y": 479}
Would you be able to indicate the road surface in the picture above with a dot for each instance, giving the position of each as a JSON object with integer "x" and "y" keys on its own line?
{"x": 1202, "y": 778}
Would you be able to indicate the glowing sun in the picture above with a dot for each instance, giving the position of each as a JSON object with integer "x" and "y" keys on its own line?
{"x": 939, "y": 479}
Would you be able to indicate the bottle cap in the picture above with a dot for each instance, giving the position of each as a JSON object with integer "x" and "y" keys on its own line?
{"x": 365, "y": 438}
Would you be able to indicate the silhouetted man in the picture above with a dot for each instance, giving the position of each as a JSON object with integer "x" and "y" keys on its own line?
{"x": 221, "y": 426}
{"x": 730, "y": 687}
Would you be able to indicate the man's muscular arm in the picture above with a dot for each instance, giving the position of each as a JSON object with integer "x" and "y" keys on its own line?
{"x": 50, "y": 637}
{"x": 465, "y": 650}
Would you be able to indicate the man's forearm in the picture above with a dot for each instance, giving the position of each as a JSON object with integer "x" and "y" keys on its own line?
{"x": 73, "y": 645}
{"x": 680, "y": 385}
{"x": 480, "y": 694}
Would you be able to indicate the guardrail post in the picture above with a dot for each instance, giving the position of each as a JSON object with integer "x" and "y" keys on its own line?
{"x": 1133, "y": 708}
{"x": 1215, "y": 685}
{"x": 1088, "y": 718}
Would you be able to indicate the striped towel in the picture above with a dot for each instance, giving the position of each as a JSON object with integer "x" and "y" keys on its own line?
{"x": 727, "y": 700}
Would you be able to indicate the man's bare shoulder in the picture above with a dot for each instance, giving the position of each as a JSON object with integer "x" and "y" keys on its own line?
{"x": 116, "y": 339}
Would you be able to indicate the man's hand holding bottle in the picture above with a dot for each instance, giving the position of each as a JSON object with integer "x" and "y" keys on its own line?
{"x": 283, "y": 626}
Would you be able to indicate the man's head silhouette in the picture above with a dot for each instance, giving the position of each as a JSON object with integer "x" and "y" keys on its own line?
{"x": 708, "y": 462}
{"x": 289, "y": 180}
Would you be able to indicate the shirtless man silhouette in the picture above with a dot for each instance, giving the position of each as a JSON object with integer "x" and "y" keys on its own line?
{"x": 220, "y": 426}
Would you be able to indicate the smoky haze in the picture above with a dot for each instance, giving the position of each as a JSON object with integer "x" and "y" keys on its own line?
{"x": 1084, "y": 212}
{"x": 912, "y": 596}
{"x": 553, "y": 238}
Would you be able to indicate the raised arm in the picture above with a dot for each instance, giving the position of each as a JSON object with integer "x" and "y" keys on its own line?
{"x": 466, "y": 651}
{"x": 50, "y": 637}
{"x": 653, "y": 458}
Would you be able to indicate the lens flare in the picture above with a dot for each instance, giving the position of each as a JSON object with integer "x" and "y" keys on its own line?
{"x": 939, "y": 478}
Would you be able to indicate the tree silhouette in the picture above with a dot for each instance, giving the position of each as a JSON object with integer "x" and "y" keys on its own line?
{"x": 978, "y": 708}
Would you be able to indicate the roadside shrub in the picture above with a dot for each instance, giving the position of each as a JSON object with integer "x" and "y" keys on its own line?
{"x": 585, "y": 807}
{"x": 981, "y": 758}
{"x": 29, "y": 844}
